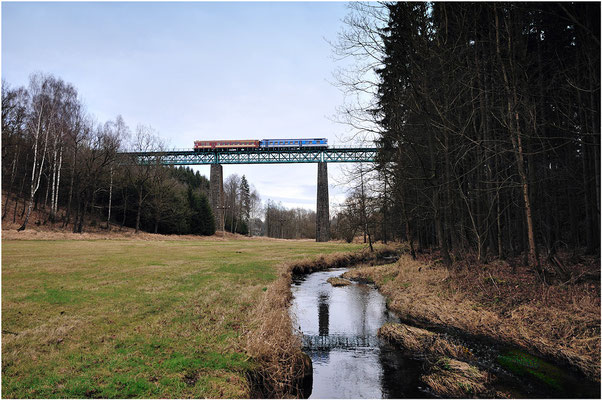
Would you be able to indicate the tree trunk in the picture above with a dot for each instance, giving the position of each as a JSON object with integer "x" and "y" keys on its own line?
{"x": 589, "y": 228}
{"x": 139, "y": 210}
{"x": 47, "y": 177}
{"x": 35, "y": 184}
{"x": 52, "y": 180}
{"x": 10, "y": 186}
{"x": 595, "y": 118}
{"x": 125, "y": 206}
{"x": 73, "y": 166}
{"x": 20, "y": 193}
{"x": 77, "y": 214}
{"x": 409, "y": 234}
{"x": 384, "y": 226}
{"x": 55, "y": 203}
{"x": 110, "y": 199}
{"x": 516, "y": 138}
{"x": 500, "y": 249}
{"x": 533, "y": 259}
{"x": 80, "y": 226}
{"x": 363, "y": 206}
{"x": 437, "y": 205}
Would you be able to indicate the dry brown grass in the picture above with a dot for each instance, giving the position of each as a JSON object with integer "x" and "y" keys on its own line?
{"x": 421, "y": 341}
{"x": 272, "y": 341}
{"x": 566, "y": 329}
{"x": 335, "y": 281}
{"x": 9, "y": 232}
{"x": 453, "y": 378}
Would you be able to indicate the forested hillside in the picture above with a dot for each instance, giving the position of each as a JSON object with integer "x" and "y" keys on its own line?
{"x": 57, "y": 159}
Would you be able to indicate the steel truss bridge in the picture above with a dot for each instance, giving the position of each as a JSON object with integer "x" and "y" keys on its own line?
{"x": 255, "y": 156}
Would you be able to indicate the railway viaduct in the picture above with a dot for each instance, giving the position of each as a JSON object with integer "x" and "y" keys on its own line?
{"x": 216, "y": 158}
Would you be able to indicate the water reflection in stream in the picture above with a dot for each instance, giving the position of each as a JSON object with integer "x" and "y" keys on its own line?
{"x": 339, "y": 326}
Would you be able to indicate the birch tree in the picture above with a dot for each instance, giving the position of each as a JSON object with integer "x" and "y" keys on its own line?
{"x": 38, "y": 127}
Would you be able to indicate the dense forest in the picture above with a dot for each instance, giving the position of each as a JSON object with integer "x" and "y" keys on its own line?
{"x": 487, "y": 117}
{"x": 59, "y": 161}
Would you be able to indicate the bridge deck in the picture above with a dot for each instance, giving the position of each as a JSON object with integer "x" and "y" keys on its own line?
{"x": 255, "y": 156}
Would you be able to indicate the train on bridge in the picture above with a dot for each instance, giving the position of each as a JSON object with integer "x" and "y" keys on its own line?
{"x": 266, "y": 144}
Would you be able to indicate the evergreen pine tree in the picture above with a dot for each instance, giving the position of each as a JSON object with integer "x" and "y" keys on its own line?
{"x": 201, "y": 219}
{"x": 206, "y": 215}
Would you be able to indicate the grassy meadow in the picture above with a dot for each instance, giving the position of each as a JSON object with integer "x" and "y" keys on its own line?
{"x": 134, "y": 318}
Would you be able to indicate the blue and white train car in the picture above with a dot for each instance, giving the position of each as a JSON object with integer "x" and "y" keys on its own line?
{"x": 293, "y": 143}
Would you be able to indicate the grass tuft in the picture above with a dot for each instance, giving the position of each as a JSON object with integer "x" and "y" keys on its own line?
{"x": 422, "y": 341}
{"x": 453, "y": 378}
{"x": 335, "y": 281}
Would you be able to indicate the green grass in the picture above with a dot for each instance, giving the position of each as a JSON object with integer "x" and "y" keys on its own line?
{"x": 129, "y": 318}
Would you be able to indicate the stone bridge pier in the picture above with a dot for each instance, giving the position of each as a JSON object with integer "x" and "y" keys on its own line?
{"x": 322, "y": 211}
{"x": 216, "y": 193}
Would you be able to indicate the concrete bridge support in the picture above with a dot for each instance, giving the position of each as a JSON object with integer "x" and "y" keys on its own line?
{"x": 322, "y": 212}
{"x": 216, "y": 194}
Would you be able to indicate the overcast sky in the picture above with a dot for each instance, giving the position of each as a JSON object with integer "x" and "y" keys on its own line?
{"x": 194, "y": 71}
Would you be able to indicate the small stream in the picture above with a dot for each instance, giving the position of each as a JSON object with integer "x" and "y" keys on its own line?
{"x": 339, "y": 326}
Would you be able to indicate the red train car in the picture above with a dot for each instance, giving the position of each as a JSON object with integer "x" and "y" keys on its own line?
{"x": 206, "y": 145}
